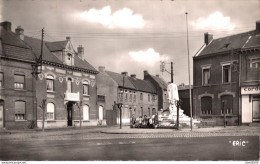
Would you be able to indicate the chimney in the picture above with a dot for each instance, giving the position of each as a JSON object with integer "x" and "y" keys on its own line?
{"x": 208, "y": 38}
{"x": 133, "y": 75}
{"x": 81, "y": 52}
{"x": 145, "y": 72}
{"x": 20, "y": 32}
{"x": 101, "y": 69}
{"x": 257, "y": 29}
{"x": 157, "y": 75}
{"x": 67, "y": 38}
{"x": 124, "y": 73}
{"x": 6, "y": 25}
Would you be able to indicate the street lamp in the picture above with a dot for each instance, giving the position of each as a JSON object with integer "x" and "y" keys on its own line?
{"x": 119, "y": 105}
{"x": 189, "y": 70}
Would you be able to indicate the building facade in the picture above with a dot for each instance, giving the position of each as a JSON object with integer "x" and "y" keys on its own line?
{"x": 62, "y": 94}
{"x": 220, "y": 71}
{"x": 137, "y": 96}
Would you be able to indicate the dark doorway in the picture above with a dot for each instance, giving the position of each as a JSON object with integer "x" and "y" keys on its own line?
{"x": 69, "y": 109}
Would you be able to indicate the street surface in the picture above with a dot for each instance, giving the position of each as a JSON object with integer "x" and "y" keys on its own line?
{"x": 91, "y": 144}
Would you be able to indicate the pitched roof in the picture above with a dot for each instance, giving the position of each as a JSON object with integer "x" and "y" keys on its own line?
{"x": 227, "y": 43}
{"x": 56, "y": 46}
{"x": 118, "y": 78}
{"x": 142, "y": 85}
{"x": 160, "y": 82}
{"x": 14, "y": 47}
{"x": 36, "y": 46}
{"x": 48, "y": 56}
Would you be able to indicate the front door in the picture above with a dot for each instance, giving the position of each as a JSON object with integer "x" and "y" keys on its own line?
{"x": 256, "y": 110}
{"x": 1, "y": 115}
{"x": 69, "y": 109}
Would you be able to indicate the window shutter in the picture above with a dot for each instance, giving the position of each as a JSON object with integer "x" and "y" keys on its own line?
{"x": 19, "y": 107}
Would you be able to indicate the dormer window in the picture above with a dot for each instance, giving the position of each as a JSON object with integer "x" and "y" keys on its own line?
{"x": 69, "y": 59}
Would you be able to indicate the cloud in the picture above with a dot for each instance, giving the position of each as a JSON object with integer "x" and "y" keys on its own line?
{"x": 148, "y": 57}
{"x": 123, "y": 18}
{"x": 215, "y": 21}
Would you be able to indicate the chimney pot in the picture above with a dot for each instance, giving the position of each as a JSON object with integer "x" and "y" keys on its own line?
{"x": 208, "y": 38}
{"x": 146, "y": 72}
{"x": 101, "y": 69}
{"x": 20, "y": 32}
{"x": 124, "y": 73}
{"x": 81, "y": 52}
{"x": 6, "y": 25}
{"x": 157, "y": 75}
{"x": 67, "y": 38}
{"x": 133, "y": 75}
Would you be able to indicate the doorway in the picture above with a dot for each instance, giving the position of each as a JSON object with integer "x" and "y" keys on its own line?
{"x": 256, "y": 110}
{"x": 1, "y": 114}
{"x": 70, "y": 109}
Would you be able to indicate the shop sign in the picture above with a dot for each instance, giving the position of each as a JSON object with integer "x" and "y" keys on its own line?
{"x": 250, "y": 90}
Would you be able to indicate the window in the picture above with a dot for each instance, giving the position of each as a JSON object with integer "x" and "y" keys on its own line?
{"x": 227, "y": 104}
{"x": 141, "y": 96}
{"x": 19, "y": 110}
{"x": 85, "y": 112}
{"x": 134, "y": 97}
{"x": 19, "y": 81}
{"x": 205, "y": 76}
{"x": 85, "y": 88}
{"x": 69, "y": 59}
{"x": 1, "y": 79}
{"x": 50, "y": 83}
{"x": 255, "y": 65}
{"x": 100, "y": 111}
{"x": 130, "y": 96}
{"x": 226, "y": 73}
{"x": 206, "y": 105}
{"x": 148, "y": 97}
{"x": 165, "y": 97}
{"x": 50, "y": 111}
{"x": 69, "y": 85}
{"x": 142, "y": 112}
{"x": 126, "y": 96}
{"x": 121, "y": 94}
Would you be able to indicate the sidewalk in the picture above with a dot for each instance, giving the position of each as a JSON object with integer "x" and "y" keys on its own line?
{"x": 217, "y": 129}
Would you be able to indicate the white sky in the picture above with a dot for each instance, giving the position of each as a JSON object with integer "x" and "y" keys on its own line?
{"x": 133, "y": 35}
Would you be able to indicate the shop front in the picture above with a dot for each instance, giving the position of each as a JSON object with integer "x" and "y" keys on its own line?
{"x": 250, "y": 104}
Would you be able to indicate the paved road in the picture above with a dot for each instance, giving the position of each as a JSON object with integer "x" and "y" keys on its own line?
{"x": 154, "y": 149}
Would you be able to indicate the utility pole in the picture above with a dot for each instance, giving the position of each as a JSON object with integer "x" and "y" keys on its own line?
{"x": 189, "y": 70}
{"x": 171, "y": 72}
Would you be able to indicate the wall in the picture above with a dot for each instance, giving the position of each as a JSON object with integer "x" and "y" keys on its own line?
{"x": 57, "y": 97}
{"x": 9, "y": 95}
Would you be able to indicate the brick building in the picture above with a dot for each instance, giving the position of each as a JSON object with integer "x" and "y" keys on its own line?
{"x": 67, "y": 83}
{"x": 138, "y": 96}
{"x": 220, "y": 70}
{"x": 161, "y": 89}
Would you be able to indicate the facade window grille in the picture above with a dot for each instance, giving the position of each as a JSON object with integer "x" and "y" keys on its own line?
{"x": 50, "y": 83}
{"x": 19, "y": 81}
{"x": 19, "y": 110}
{"x": 50, "y": 111}
{"x": 226, "y": 73}
{"x": 126, "y": 95}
